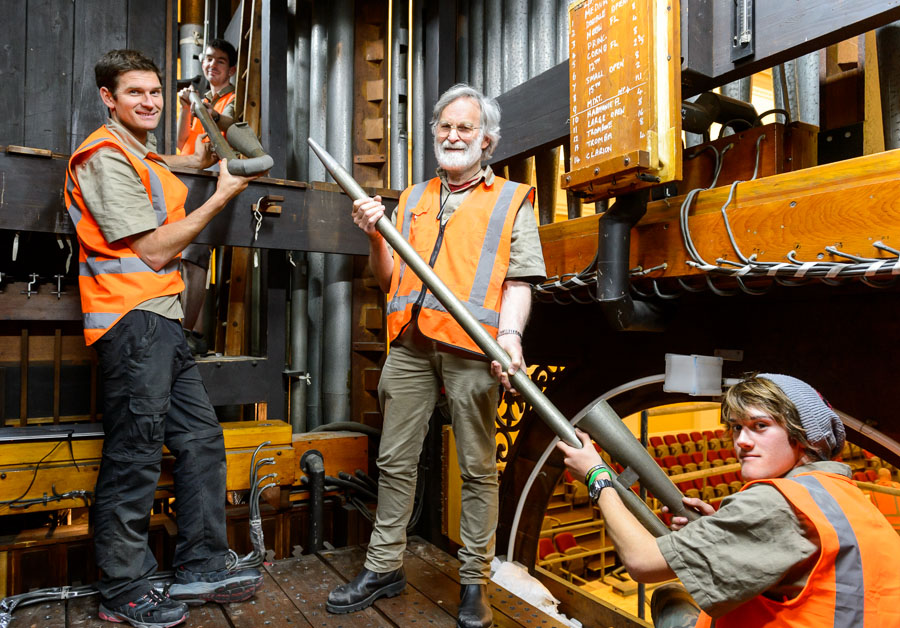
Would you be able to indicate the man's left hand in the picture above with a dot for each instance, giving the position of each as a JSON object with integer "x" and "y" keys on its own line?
{"x": 512, "y": 344}
{"x": 204, "y": 154}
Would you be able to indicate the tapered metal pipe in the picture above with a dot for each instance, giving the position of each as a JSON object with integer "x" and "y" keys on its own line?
{"x": 520, "y": 381}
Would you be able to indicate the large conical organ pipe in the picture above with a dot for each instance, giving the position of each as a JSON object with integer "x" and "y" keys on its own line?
{"x": 607, "y": 429}
{"x": 529, "y": 390}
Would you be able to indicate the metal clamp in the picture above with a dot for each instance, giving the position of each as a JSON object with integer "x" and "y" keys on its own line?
{"x": 28, "y": 291}
{"x": 59, "y": 287}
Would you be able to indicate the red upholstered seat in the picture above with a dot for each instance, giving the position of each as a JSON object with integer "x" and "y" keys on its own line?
{"x": 568, "y": 476}
{"x": 684, "y": 459}
{"x": 697, "y": 437}
{"x": 670, "y": 461}
{"x": 683, "y": 437}
{"x": 545, "y": 547}
{"x": 859, "y": 476}
{"x": 872, "y": 475}
{"x": 564, "y": 541}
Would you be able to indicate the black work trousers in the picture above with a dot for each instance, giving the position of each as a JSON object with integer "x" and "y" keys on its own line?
{"x": 153, "y": 394}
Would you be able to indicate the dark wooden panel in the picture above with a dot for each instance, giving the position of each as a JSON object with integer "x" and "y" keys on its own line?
{"x": 274, "y": 84}
{"x": 99, "y": 27}
{"x": 48, "y": 85}
{"x": 784, "y": 31}
{"x": 535, "y": 115}
{"x": 147, "y": 31}
{"x": 12, "y": 73}
{"x": 410, "y": 606}
{"x": 307, "y": 581}
{"x": 311, "y": 219}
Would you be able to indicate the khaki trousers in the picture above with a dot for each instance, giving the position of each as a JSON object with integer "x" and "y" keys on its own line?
{"x": 408, "y": 390}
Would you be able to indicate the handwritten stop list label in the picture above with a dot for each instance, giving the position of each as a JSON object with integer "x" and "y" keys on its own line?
{"x": 610, "y": 88}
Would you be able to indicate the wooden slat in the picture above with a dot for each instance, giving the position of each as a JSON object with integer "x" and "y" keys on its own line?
{"x": 269, "y": 607}
{"x": 237, "y": 327}
{"x": 410, "y": 606}
{"x": 48, "y": 86}
{"x": 100, "y": 25}
{"x": 586, "y": 607}
{"x": 12, "y": 69}
{"x": 848, "y": 204}
{"x": 307, "y": 581}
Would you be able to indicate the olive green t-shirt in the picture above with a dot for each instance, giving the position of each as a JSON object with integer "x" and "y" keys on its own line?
{"x": 117, "y": 199}
{"x": 756, "y": 543}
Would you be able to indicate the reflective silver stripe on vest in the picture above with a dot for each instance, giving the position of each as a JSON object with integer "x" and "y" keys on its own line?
{"x": 491, "y": 243}
{"x": 93, "y": 267}
{"x": 430, "y": 302}
{"x": 157, "y": 197}
{"x": 73, "y": 209}
{"x": 415, "y": 195}
{"x": 99, "y": 320}
{"x": 849, "y": 602}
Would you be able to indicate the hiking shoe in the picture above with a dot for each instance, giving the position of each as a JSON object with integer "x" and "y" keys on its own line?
{"x": 153, "y": 610}
{"x": 222, "y": 586}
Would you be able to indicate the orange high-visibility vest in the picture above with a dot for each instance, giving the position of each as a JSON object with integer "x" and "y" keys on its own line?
{"x": 197, "y": 129}
{"x": 111, "y": 277}
{"x": 855, "y": 582}
{"x": 888, "y": 505}
{"x": 470, "y": 253}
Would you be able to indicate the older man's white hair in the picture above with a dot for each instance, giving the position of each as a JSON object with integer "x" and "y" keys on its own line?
{"x": 490, "y": 113}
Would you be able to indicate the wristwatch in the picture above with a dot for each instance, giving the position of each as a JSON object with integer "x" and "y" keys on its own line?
{"x": 596, "y": 486}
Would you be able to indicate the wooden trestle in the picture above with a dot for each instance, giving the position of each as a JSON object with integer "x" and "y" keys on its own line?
{"x": 295, "y": 591}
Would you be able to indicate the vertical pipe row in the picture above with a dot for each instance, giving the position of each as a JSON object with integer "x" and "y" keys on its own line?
{"x": 476, "y": 44}
{"x": 420, "y": 137}
{"x": 338, "y": 284}
{"x": 399, "y": 92}
{"x": 493, "y": 41}
{"x": 739, "y": 89}
{"x": 515, "y": 66}
{"x": 462, "y": 41}
{"x": 298, "y": 102}
{"x": 542, "y": 56}
{"x": 318, "y": 62}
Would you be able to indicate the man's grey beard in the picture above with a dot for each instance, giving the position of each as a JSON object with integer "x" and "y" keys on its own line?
{"x": 456, "y": 161}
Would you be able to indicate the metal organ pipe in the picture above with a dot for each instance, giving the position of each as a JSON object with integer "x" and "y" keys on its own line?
{"x": 338, "y": 283}
{"x": 399, "y": 93}
{"x": 476, "y": 44}
{"x": 542, "y": 57}
{"x": 493, "y": 38}
{"x": 318, "y": 62}
{"x": 420, "y": 137}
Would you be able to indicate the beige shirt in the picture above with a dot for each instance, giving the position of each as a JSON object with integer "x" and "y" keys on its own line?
{"x": 212, "y": 99}
{"x": 754, "y": 544}
{"x": 117, "y": 199}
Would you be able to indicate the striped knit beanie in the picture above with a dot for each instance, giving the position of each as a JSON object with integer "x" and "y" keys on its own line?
{"x": 824, "y": 429}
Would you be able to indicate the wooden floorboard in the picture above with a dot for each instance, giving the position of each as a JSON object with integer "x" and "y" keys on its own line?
{"x": 306, "y": 581}
{"x": 410, "y": 607}
{"x": 269, "y": 607}
{"x": 509, "y": 610}
{"x": 295, "y": 590}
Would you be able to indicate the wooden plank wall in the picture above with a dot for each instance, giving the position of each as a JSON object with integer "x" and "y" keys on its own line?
{"x": 49, "y": 47}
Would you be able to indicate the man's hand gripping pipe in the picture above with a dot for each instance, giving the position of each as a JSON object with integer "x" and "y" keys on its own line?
{"x": 241, "y": 139}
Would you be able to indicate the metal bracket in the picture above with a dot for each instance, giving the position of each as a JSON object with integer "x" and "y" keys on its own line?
{"x": 28, "y": 291}
{"x": 270, "y": 204}
{"x": 59, "y": 288}
{"x": 742, "y": 30}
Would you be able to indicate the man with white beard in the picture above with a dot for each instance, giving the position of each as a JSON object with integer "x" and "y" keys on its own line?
{"x": 479, "y": 233}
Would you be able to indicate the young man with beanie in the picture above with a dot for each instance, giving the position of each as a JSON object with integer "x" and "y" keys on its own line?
{"x": 129, "y": 215}
{"x": 799, "y": 545}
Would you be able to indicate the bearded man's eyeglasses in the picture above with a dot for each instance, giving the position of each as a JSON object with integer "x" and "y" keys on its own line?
{"x": 465, "y": 130}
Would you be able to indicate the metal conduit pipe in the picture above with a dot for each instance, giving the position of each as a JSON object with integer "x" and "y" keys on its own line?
{"x": 312, "y": 464}
{"x": 476, "y": 44}
{"x": 298, "y": 97}
{"x": 887, "y": 42}
{"x": 573, "y": 203}
{"x": 613, "y": 282}
{"x": 807, "y": 72}
{"x": 189, "y": 50}
{"x": 493, "y": 41}
{"x": 739, "y": 89}
{"x": 318, "y": 62}
{"x": 299, "y": 375}
{"x": 338, "y": 283}
{"x": 542, "y": 57}
{"x": 399, "y": 93}
{"x": 420, "y": 138}
{"x": 462, "y": 41}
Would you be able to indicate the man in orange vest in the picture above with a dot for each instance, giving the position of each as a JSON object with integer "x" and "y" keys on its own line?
{"x": 479, "y": 233}
{"x": 128, "y": 211}
{"x": 799, "y": 545}
{"x": 219, "y": 64}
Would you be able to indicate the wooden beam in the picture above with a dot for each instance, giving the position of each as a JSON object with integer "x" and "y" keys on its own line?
{"x": 848, "y": 204}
